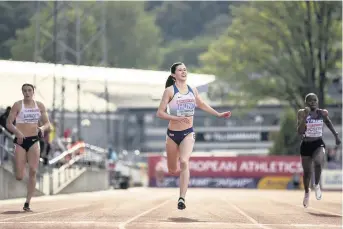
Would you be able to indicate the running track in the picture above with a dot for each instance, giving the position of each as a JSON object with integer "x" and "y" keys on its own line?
{"x": 147, "y": 208}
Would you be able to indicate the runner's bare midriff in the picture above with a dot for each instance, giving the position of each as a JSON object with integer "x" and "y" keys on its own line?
{"x": 27, "y": 129}
{"x": 178, "y": 126}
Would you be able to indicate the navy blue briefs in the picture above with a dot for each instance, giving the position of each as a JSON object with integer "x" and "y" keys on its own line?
{"x": 178, "y": 136}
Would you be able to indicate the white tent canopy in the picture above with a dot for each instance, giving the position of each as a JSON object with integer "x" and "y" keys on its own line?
{"x": 123, "y": 83}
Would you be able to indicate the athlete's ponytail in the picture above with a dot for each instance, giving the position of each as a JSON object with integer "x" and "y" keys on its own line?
{"x": 171, "y": 80}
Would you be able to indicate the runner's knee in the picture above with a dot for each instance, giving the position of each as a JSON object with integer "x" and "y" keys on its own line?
{"x": 184, "y": 163}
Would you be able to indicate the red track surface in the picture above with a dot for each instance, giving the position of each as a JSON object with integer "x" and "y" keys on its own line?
{"x": 146, "y": 208}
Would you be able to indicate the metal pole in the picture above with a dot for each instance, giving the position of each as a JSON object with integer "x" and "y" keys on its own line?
{"x": 104, "y": 64}
{"x": 62, "y": 108}
{"x": 37, "y": 38}
{"x": 108, "y": 125}
{"x": 63, "y": 33}
{"x": 55, "y": 60}
{"x": 78, "y": 110}
{"x": 78, "y": 60}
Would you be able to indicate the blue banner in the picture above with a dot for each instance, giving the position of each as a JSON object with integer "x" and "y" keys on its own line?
{"x": 207, "y": 182}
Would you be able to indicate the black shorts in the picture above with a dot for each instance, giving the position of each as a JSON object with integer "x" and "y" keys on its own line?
{"x": 27, "y": 142}
{"x": 307, "y": 148}
{"x": 178, "y": 136}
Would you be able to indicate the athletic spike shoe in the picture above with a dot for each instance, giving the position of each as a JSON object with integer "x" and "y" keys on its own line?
{"x": 306, "y": 199}
{"x": 26, "y": 207}
{"x": 181, "y": 203}
{"x": 318, "y": 192}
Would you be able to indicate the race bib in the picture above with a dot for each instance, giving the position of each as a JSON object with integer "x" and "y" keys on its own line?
{"x": 185, "y": 107}
{"x": 314, "y": 129}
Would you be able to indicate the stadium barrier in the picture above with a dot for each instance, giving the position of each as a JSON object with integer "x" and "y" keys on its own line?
{"x": 331, "y": 180}
{"x": 263, "y": 172}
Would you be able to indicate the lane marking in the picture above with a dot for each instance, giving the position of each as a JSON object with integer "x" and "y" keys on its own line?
{"x": 308, "y": 208}
{"x": 123, "y": 224}
{"x": 105, "y": 223}
{"x": 29, "y": 214}
{"x": 77, "y": 195}
{"x": 320, "y": 210}
{"x": 252, "y": 220}
{"x": 301, "y": 206}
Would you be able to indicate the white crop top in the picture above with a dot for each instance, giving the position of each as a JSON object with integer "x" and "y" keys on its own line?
{"x": 314, "y": 126}
{"x": 182, "y": 105}
{"x": 28, "y": 115}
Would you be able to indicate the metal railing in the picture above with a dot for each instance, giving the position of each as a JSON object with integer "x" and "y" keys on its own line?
{"x": 10, "y": 138}
{"x": 76, "y": 148}
{"x": 7, "y": 160}
{"x": 6, "y": 145}
{"x": 70, "y": 168}
{"x": 59, "y": 171}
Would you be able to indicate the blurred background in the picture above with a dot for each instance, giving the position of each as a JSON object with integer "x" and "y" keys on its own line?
{"x": 100, "y": 69}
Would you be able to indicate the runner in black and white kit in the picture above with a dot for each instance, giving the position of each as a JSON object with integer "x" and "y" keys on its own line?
{"x": 312, "y": 149}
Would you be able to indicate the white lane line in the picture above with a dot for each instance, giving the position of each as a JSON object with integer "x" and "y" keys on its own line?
{"x": 29, "y": 214}
{"x": 123, "y": 224}
{"x": 310, "y": 208}
{"x": 252, "y": 220}
{"x": 249, "y": 217}
{"x": 301, "y": 206}
{"x": 314, "y": 225}
{"x": 233, "y": 225}
{"x": 320, "y": 210}
{"x": 77, "y": 195}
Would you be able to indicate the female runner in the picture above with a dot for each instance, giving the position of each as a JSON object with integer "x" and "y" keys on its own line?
{"x": 27, "y": 113}
{"x": 181, "y": 100}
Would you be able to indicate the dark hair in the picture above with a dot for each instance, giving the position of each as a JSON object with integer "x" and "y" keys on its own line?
{"x": 310, "y": 94}
{"x": 170, "y": 81}
{"x": 28, "y": 84}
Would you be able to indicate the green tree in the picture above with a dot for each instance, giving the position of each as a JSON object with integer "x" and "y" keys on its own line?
{"x": 287, "y": 142}
{"x": 132, "y": 37}
{"x": 13, "y": 15}
{"x": 187, "y": 20}
{"x": 23, "y": 47}
{"x": 188, "y": 51}
{"x": 185, "y": 51}
{"x": 279, "y": 50}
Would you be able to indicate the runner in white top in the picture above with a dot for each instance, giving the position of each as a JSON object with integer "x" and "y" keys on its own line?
{"x": 27, "y": 113}
{"x": 312, "y": 150}
{"x": 181, "y": 100}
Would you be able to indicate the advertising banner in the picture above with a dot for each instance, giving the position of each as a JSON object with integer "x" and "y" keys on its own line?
{"x": 208, "y": 182}
{"x": 331, "y": 179}
{"x": 241, "y": 166}
{"x": 225, "y": 171}
{"x": 280, "y": 182}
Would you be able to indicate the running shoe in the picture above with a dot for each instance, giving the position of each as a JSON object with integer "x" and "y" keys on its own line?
{"x": 181, "y": 203}
{"x": 26, "y": 207}
{"x": 306, "y": 199}
{"x": 318, "y": 192}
